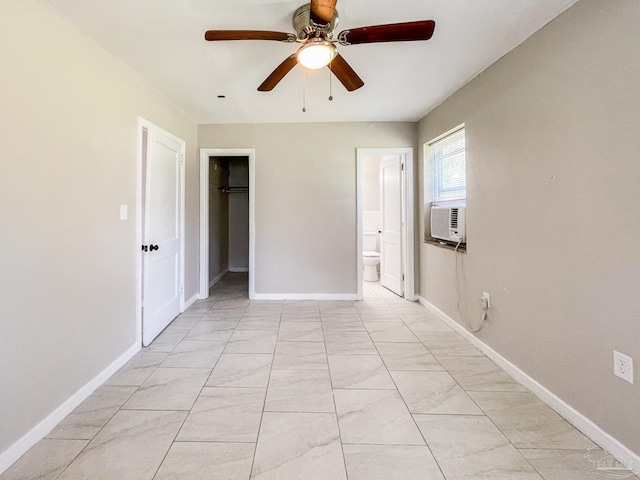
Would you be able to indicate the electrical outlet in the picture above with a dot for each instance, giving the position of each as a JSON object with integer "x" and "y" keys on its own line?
{"x": 486, "y": 300}
{"x": 623, "y": 366}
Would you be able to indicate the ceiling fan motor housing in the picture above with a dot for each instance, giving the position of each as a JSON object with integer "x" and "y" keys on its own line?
{"x": 305, "y": 27}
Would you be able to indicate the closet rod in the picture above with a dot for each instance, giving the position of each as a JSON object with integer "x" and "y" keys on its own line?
{"x": 233, "y": 189}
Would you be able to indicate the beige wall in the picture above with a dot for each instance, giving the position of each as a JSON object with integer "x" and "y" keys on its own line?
{"x": 306, "y": 198}
{"x": 68, "y": 117}
{"x": 371, "y": 183}
{"x": 552, "y": 221}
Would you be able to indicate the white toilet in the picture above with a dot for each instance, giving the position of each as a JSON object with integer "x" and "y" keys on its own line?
{"x": 370, "y": 258}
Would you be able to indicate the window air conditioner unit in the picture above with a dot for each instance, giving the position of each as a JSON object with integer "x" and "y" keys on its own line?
{"x": 447, "y": 223}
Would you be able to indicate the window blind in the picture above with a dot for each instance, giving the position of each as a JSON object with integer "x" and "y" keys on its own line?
{"x": 449, "y": 168}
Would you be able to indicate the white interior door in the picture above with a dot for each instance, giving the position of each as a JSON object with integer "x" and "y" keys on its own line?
{"x": 391, "y": 237}
{"x": 162, "y": 233}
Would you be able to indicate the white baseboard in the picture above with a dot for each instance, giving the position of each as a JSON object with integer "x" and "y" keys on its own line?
{"x": 305, "y": 296}
{"x": 42, "y": 429}
{"x": 190, "y": 302}
{"x": 582, "y": 423}
{"x": 238, "y": 270}
{"x": 218, "y": 278}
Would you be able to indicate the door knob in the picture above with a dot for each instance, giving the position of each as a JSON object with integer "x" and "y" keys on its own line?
{"x": 153, "y": 247}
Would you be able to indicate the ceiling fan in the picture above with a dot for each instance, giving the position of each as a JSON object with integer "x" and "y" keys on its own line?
{"x": 314, "y": 24}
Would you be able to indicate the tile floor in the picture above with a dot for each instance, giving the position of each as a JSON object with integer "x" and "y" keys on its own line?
{"x": 373, "y": 390}
{"x": 375, "y": 290}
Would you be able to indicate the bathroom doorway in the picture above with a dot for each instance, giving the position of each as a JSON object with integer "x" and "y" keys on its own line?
{"x": 227, "y": 206}
{"x": 385, "y": 222}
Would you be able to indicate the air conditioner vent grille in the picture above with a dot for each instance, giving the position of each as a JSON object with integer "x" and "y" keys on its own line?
{"x": 448, "y": 223}
{"x": 454, "y": 218}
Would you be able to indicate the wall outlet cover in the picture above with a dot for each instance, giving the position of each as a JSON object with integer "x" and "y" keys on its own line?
{"x": 623, "y": 366}
{"x": 486, "y": 300}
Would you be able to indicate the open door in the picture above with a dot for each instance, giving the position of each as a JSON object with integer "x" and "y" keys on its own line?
{"x": 391, "y": 234}
{"x": 162, "y": 233}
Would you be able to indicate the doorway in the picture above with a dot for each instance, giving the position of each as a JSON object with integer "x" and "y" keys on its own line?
{"x": 385, "y": 209}
{"x": 160, "y": 230}
{"x": 227, "y": 206}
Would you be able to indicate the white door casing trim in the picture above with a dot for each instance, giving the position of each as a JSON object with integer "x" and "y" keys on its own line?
{"x": 205, "y": 153}
{"x": 145, "y": 124}
{"x": 408, "y": 215}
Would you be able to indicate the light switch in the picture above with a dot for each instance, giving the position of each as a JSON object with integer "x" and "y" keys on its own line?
{"x": 124, "y": 212}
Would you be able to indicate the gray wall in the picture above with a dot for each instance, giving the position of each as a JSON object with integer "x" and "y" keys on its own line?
{"x": 68, "y": 117}
{"x": 371, "y": 183}
{"x": 553, "y": 189}
{"x": 306, "y": 198}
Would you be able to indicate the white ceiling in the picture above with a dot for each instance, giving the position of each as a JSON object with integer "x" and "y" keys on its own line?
{"x": 162, "y": 40}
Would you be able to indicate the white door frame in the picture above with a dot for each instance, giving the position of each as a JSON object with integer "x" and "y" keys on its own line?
{"x": 407, "y": 213}
{"x": 142, "y": 125}
{"x": 205, "y": 153}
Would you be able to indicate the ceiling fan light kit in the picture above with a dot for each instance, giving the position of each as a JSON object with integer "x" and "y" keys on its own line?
{"x": 316, "y": 54}
{"x": 314, "y": 24}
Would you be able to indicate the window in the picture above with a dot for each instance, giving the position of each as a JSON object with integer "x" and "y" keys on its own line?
{"x": 449, "y": 169}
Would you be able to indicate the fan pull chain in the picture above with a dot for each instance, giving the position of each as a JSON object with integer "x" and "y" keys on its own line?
{"x": 330, "y": 84}
{"x": 304, "y": 90}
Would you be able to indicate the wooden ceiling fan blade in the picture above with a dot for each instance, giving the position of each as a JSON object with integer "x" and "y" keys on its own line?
{"x": 278, "y": 74}
{"x": 218, "y": 35}
{"x": 347, "y": 75}
{"x": 322, "y": 11}
{"x": 393, "y": 32}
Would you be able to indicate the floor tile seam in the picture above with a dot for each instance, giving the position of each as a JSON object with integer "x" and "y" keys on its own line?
{"x": 129, "y": 385}
{"x": 99, "y": 430}
{"x": 507, "y": 441}
{"x": 301, "y": 341}
{"x": 359, "y": 354}
{"x": 404, "y": 342}
{"x": 105, "y": 424}
{"x": 416, "y": 369}
{"x": 436, "y": 358}
{"x": 123, "y": 409}
{"x": 75, "y": 439}
{"x": 295, "y": 412}
{"x": 437, "y": 414}
{"x": 264, "y": 404}
{"x": 503, "y": 433}
{"x": 388, "y": 445}
{"x": 72, "y": 460}
{"x": 394, "y": 389}
{"x": 296, "y": 369}
{"x": 231, "y": 353}
{"x": 220, "y": 442}
{"x": 415, "y": 423}
{"x": 173, "y": 441}
{"x": 173, "y": 367}
{"x": 243, "y": 387}
{"x": 291, "y": 369}
{"x": 367, "y": 389}
{"x": 297, "y": 341}
{"x": 335, "y": 407}
{"x": 456, "y": 383}
{"x": 475, "y": 389}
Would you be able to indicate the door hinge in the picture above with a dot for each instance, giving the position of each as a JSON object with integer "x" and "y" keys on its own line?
{"x": 182, "y": 159}
{"x": 402, "y": 166}
{"x": 403, "y": 277}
